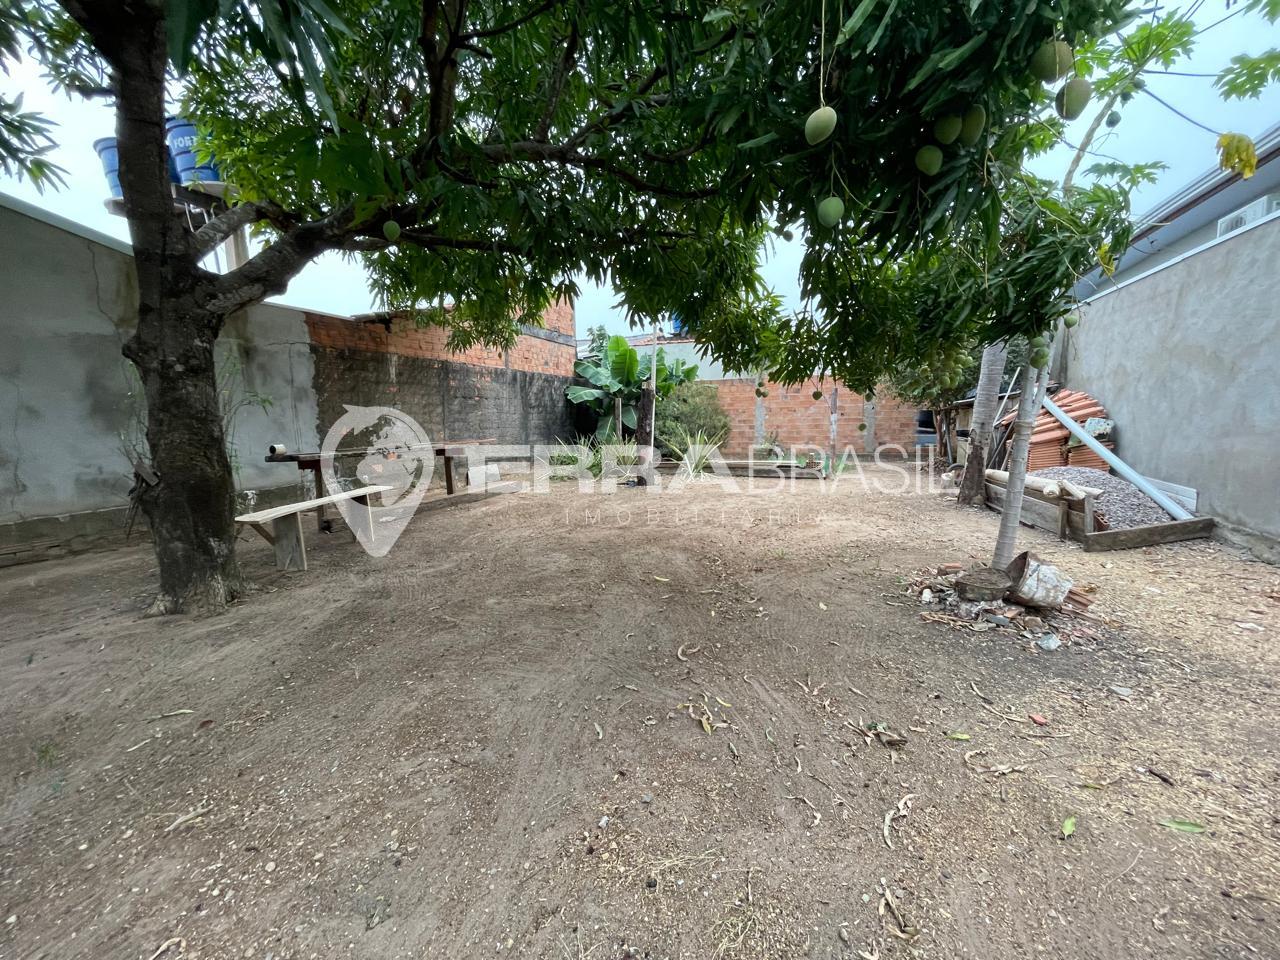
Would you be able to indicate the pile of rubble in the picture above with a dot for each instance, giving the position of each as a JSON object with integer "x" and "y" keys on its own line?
{"x": 1036, "y": 603}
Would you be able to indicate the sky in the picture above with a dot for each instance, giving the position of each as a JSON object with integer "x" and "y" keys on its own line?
{"x": 1147, "y": 132}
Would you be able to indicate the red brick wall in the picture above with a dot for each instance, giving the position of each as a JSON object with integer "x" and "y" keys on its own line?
{"x": 798, "y": 419}
{"x": 532, "y": 354}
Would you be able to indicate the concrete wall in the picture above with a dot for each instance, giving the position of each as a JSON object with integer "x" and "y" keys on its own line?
{"x": 514, "y": 396}
{"x": 66, "y": 306}
{"x": 1187, "y": 361}
{"x": 70, "y": 403}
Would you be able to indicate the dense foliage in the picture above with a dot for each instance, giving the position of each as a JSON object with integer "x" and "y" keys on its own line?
{"x": 618, "y": 378}
{"x": 691, "y": 409}
{"x": 510, "y": 149}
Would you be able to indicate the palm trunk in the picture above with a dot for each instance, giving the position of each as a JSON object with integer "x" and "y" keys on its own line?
{"x": 973, "y": 484}
{"x": 191, "y": 507}
{"x": 1028, "y": 406}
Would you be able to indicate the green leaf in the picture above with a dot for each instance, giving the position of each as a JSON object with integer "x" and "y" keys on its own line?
{"x": 946, "y": 59}
{"x": 759, "y": 141}
{"x": 1268, "y": 8}
{"x": 884, "y": 24}
{"x": 622, "y": 360}
{"x": 956, "y": 735}
{"x": 579, "y": 394}
{"x": 855, "y": 20}
{"x": 1068, "y": 826}
{"x": 183, "y": 20}
{"x": 593, "y": 372}
{"x": 1248, "y": 76}
{"x": 1186, "y": 826}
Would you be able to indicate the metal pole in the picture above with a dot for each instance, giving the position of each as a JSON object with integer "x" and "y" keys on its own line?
{"x": 1174, "y": 510}
{"x": 653, "y": 388}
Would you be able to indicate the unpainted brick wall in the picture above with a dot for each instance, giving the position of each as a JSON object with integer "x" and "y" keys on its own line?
{"x": 514, "y": 396}
{"x": 800, "y": 420}
{"x": 553, "y": 352}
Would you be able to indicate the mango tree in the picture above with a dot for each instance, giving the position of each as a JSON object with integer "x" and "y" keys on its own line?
{"x": 480, "y": 155}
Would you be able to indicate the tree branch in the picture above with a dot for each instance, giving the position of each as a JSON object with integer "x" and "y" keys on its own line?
{"x": 270, "y": 270}
{"x": 566, "y": 155}
{"x": 442, "y": 61}
{"x": 518, "y": 22}
{"x": 225, "y": 224}
{"x": 638, "y": 182}
{"x": 103, "y": 22}
{"x": 430, "y": 241}
{"x": 556, "y": 87}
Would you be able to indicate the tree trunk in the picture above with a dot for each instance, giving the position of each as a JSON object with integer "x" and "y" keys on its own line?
{"x": 973, "y": 484}
{"x": 644, "y": 427}
{"x": 191, "y": 508}
{"x": 1087, "y": 141}
{"x": 1028, "y": 406}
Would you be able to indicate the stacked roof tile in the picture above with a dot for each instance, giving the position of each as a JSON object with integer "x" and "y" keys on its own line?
{"x": 1049, "y": 437}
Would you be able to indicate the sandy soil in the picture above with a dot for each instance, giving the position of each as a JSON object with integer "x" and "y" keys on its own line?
{"x": 487, "y": 743}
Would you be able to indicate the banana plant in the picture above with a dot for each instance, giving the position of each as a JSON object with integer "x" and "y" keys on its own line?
{"x": 620, "y": 374}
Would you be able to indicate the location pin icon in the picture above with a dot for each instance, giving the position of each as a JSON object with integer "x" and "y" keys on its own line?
{"x": 395, "y": 455}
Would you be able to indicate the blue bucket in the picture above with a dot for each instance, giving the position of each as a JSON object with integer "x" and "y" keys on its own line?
{"x": 182, "y": 137}
{"x": 110, "y": 157}
{"x": 109, "y": 154}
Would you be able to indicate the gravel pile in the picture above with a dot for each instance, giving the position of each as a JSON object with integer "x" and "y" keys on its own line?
{"x": 1121, "y": 503}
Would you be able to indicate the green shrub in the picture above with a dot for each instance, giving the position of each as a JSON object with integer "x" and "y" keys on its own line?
{"x": 694, "y": 449}
{"x": 689, "y": 410}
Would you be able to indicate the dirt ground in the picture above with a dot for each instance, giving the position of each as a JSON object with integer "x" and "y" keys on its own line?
{"x": 490, "y": 743}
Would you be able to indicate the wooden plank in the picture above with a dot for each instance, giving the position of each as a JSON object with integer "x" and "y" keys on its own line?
{"x": 29, "y": 546}
{"x": 1031, "y": 494}
{"x": 360, "y": 520}
{"x": 1186, "y": 497}
{"x": 1127, "y": 539}
{"x": 291, "y": 549}
{"x": 262, "y": 516}
{"x": 1075, "y": 525}
{"x": 1034, "y": 513}
{"x": 264, "y": 532}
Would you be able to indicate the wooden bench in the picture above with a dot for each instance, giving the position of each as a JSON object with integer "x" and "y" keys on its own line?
{"x": 286, "y": 524}
{"x": 448, "y": 450}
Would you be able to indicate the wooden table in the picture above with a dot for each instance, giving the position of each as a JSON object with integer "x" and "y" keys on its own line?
{"x": 314, "y": 461}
